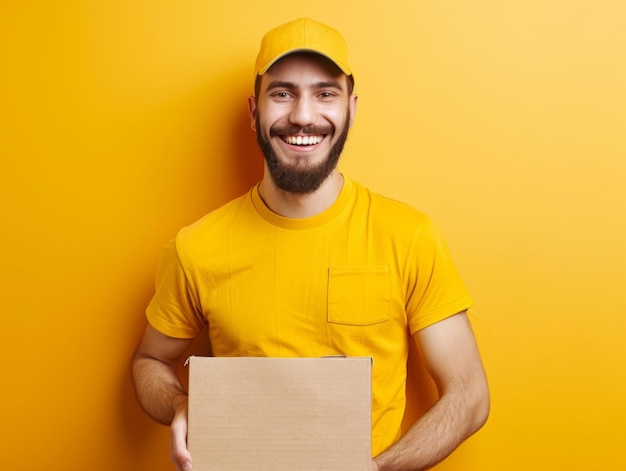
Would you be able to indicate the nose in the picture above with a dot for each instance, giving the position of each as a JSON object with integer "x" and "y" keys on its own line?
{"x": 303, "y": 112}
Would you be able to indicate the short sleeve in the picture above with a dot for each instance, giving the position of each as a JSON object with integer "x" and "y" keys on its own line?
{"x": 174, "y": 309}
{"x": 437, "y": 291}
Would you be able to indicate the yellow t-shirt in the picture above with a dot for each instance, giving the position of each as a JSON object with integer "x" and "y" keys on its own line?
{"x": 357, "y": 280}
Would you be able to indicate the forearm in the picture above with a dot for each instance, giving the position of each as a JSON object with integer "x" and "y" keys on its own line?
{"x": 436, "y": 434}
{"x": 158, "y": 388}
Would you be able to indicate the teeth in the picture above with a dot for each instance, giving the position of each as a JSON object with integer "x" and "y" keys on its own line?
{"x": 303, "y": 140}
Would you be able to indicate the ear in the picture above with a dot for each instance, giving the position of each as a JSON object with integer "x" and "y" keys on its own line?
{"x": 353, "y": 102}
{"x": 252, "y": 112}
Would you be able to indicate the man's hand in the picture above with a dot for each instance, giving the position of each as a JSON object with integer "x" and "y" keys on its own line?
{"x": 451, "y": 356}
{"x": 178, "y": 440}
{"x": 374, "y": 465}
{"x": 159, "y": 390}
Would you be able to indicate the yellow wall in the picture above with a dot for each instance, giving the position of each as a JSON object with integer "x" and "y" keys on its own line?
{"x": 504, "y": 120}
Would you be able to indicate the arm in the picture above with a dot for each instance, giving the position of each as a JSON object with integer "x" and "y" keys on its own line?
{"x": 159, "y": 390}
{"x": 451, "y": 355}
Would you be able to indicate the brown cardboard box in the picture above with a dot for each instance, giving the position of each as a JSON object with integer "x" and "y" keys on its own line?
{"x": 280, "y": 414}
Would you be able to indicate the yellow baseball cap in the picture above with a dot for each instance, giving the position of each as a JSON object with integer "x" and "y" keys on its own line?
{"x": 302, "y": 35}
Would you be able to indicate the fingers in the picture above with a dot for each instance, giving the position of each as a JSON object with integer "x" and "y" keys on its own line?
{"x": 178, "y": 441}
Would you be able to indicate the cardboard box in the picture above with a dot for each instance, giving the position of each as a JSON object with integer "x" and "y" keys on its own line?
{"x": 280, "y": 413}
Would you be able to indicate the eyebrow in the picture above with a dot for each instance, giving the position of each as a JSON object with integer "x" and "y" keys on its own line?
{"x": 274, "y": 84}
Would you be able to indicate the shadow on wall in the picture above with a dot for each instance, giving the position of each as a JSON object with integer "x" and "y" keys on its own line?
{"x": 140, "y": 433}
{"x": 241, "y": 168}
{"x": 245, "y": 156}
{"x": 241, "y": 164}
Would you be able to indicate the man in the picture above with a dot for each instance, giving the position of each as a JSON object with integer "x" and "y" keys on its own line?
{"x": 310, "y": 263}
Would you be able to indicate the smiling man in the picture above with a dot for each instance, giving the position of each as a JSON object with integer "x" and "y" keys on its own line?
{"x": 307, "y": 105}
{"x": 310, "y": 263}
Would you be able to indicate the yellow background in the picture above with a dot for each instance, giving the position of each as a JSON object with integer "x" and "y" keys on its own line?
{"x": 504, "y": 120}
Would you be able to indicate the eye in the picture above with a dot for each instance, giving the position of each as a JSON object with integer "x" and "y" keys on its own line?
{"x": 281, "y": 95}
{"x": 327, "y": 95}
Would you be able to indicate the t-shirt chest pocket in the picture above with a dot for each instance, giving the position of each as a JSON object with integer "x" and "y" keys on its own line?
{"x": 359, "y": 295}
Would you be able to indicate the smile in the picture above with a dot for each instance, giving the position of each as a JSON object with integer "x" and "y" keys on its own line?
{"x": 303, "y": 140}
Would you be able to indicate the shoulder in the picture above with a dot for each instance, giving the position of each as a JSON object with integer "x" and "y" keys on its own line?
{"x": 388, "y": 210}
{"x": 221, "y": 216}
{"x": 211, "y": 231}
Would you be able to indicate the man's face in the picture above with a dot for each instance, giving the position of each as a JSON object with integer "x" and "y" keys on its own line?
{"x": 301, "y": 115}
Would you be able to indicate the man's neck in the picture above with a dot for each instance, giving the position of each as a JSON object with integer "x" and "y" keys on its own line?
{"x": 298, "y": 206}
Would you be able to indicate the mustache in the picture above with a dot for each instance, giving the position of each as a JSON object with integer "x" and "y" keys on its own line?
{"x": 292, "y": 130}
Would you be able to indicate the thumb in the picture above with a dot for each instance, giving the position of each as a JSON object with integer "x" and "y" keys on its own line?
{"x": 178, "y": 441}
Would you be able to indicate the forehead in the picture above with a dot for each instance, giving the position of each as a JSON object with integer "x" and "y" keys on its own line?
{"x": 303, "y": 68}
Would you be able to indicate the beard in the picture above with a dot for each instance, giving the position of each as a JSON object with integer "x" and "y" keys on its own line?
{"x": 299, "y": 177}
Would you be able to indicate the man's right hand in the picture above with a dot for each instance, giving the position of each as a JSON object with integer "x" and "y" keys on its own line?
{"x": 178, "y": 440}
{"x": 159, "y": 390}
